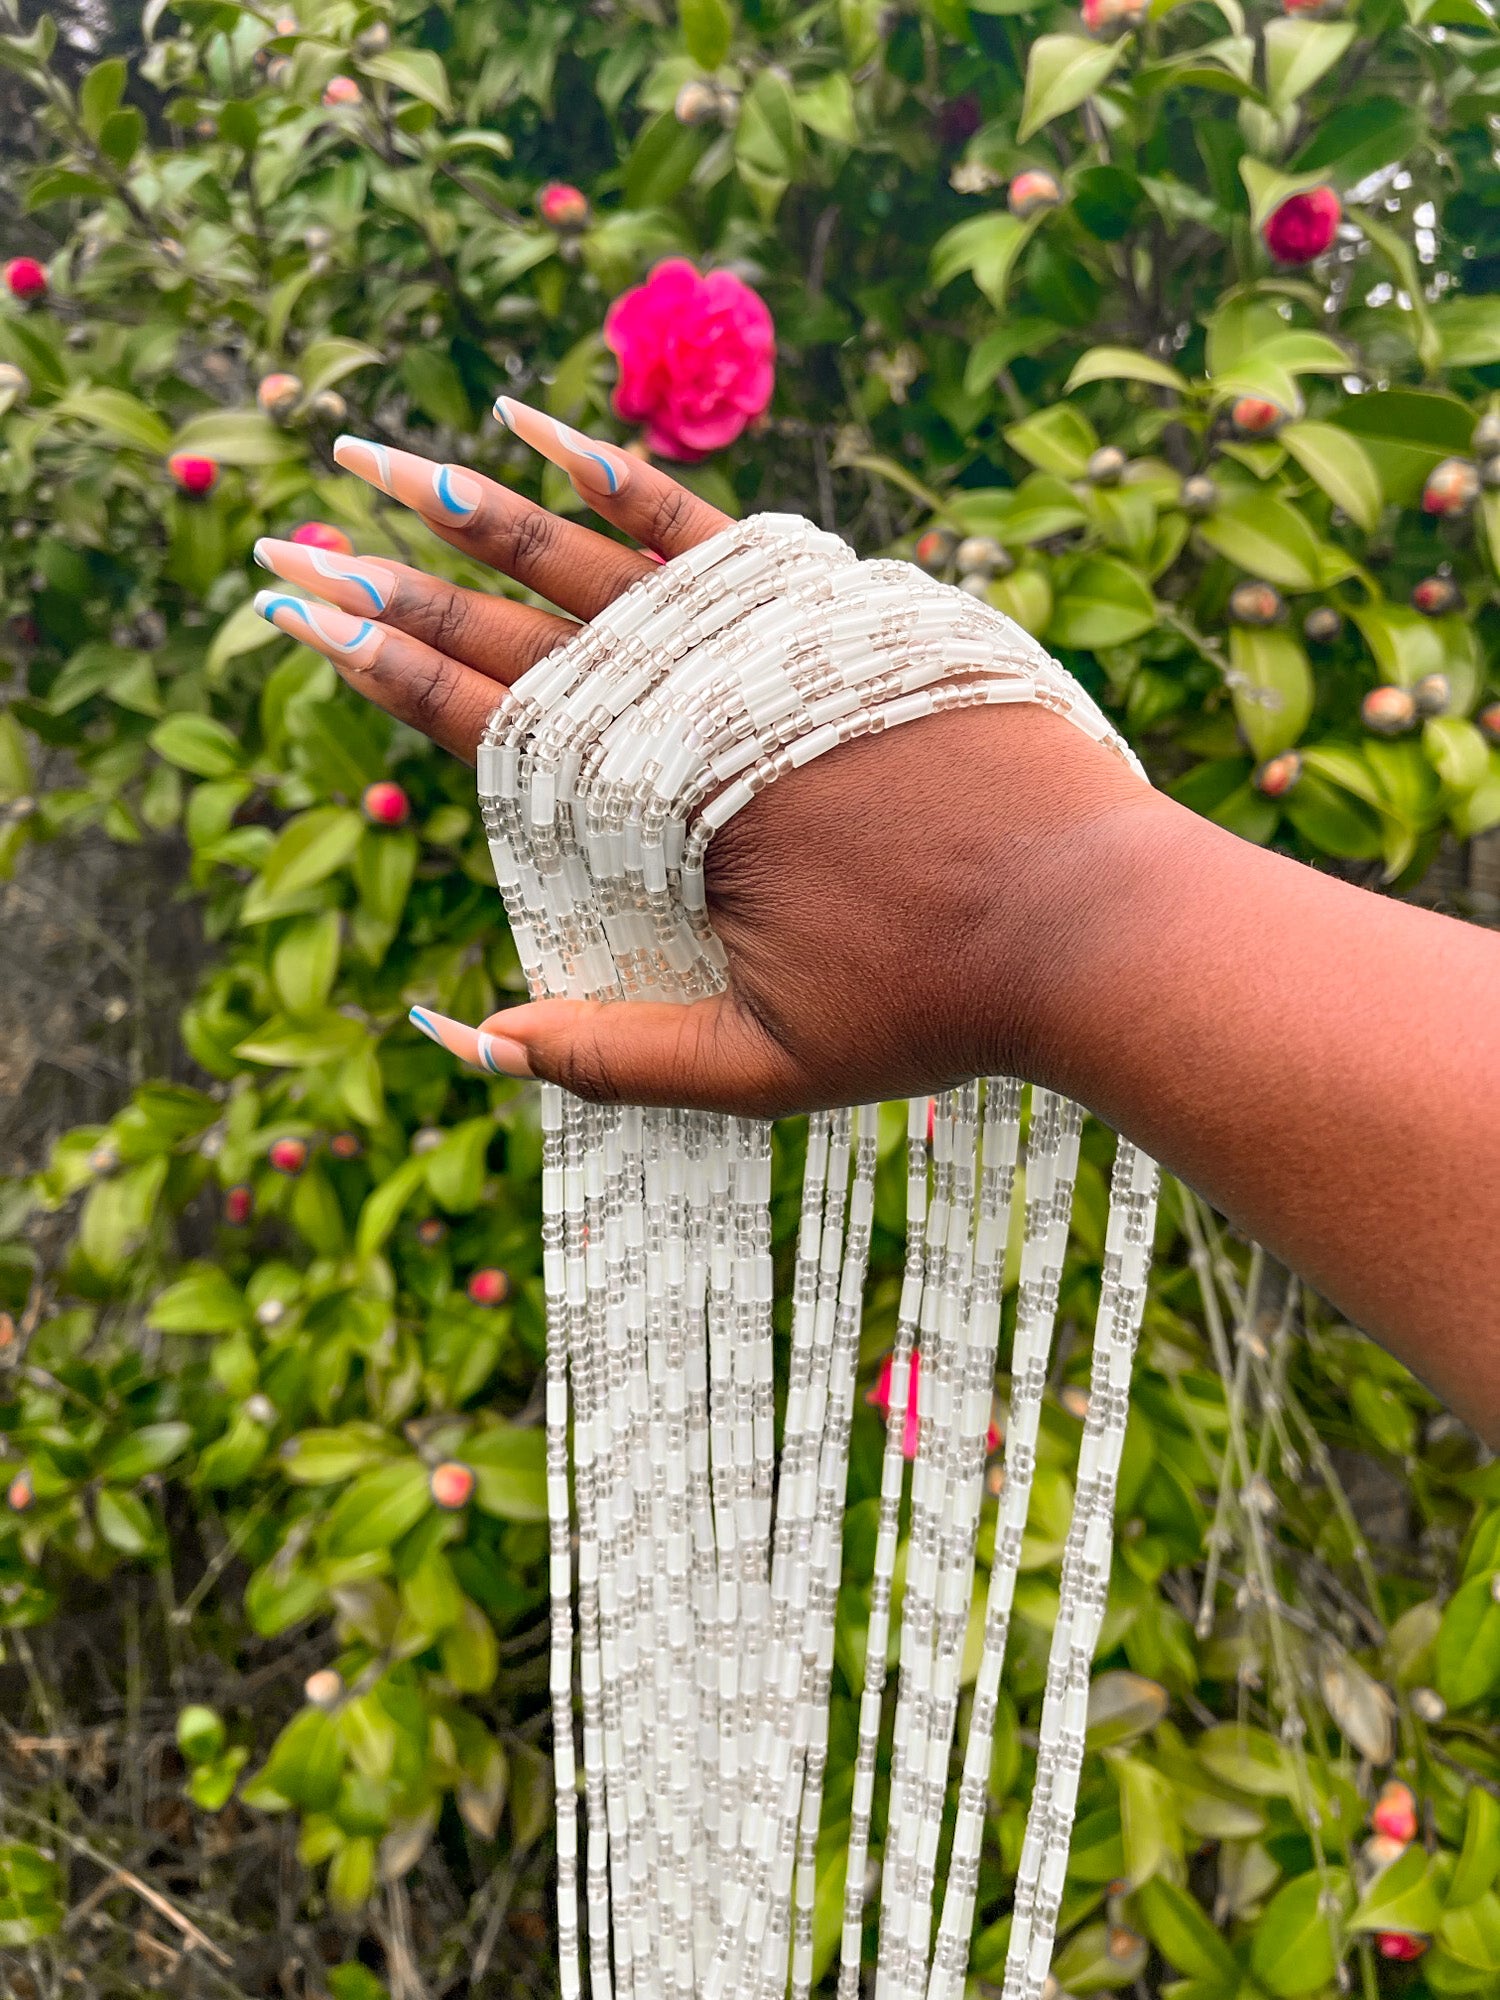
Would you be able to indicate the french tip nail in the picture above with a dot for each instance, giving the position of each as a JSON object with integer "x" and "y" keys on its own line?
{"x": 259, "y": 551}
{"x": 419, "y": 1019}
{"x": 502, "y": 411}
{"x": 264, "y": 599}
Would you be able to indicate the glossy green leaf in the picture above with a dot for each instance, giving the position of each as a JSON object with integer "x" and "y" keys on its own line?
{"x": 1266, "y": 537}
{"x": 1103, "y": 603}
{"x": 1185, "y": 1938}
{"x": 1061, "y": 71}
{"x": 707, "y": 28}
{"x": 197, "y": 743}
{"x": 377, "y": 1509}
{"x": 1403, "y": 1897}
{"x": 986, "y": 247}
{"x": 203, "y": 1300}
{"x": 1299, "y": 51}
{"x": 1468, "y": 1644}
{"x": 510, "y": 1471}
{"x": 1292, "y": 1951}
{"x": 308, "y": 850}
{"x": 1340, "y": 465}
{"x": 1124, "y": 364}
{"x": 327, "y": 1457}
{"x": 417, "y": 72}
{"x": 1059, "y": 440}
{"x": 148, "y": 1449}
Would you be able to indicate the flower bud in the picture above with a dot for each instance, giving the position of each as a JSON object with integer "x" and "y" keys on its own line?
{"x": 374, "y": 40}
{"x": 194, "y": 474}
{"x": 1255, "y": 603}
{"x": 1432, "y": 694}
{"x": 430, "y": 1231}
{"x": 319, "y": 535}
{"x": 1322, "y": 625}
{"x": 1394, "y": 1813}
{"x": 1257, "y": 416}
{"x": 451, "y": 1485}
{"x": 976, "y": 553}
{"x": 288, "y": 1156}
{"x": 1489, "y": 722}
{"x": 20, "y": 1493}
{"x": 278, "y": 395}
{"x": 26, "y": 279}
{"x": 260, "y": 1409}
{"x": 1106, "y": 466}
{"x": 1278, "y": 775}
{"x": 1427, "y": 1705}
{"x": 490, "y": 1286}
{"x": 15, "y": 384}
{"x": 323, "y": 1688}
{"x": 1437, "y": 597}
{"x": 1304, "y": 226}
{"x": 697, "y": 103}
{"x": 1400, "y": 1945}
{"x": 328, "y": 407}
{"x": 1452, "y": 488}
{"x": 1099, "y": 16}
{"x": 385, "y": 803}
{"x": 1487, "y": 435}
{"x": 239, "y": 1204}
{"x": 341, "y": 90}
{"x": 561, "y": 206}
{"x": 1198, "y": 494}
{"x": 1033, "y": 192}
{"x": 934, "y": 550}
{"x": 345, "y": 1146}
{"x": 1388, "y": 711}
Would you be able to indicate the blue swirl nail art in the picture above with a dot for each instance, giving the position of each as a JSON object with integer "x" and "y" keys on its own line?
{"x": 419, "y": 1020}
{"x": 487, "y": 1057}
{"x": 441, "y": 485}
{"x": 325, "y": 565}
{"x": 270, "y": 602}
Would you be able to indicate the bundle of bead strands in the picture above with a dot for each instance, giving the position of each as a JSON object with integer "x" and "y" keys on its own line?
{"x": 707, "y": 1576}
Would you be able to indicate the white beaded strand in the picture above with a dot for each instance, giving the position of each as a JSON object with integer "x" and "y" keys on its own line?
{"x": 707, "y": 1576}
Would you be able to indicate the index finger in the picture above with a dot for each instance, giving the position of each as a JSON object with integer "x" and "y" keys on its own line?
{"x": 658, "y": 511}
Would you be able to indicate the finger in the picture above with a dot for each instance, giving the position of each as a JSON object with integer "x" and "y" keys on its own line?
{"x": 579, "y": 571}
{"x": 491, "y": 634}
{"x": 656, "y": 510}
{"x": 414, "y": 682}
{"x": 709, "y": 1056}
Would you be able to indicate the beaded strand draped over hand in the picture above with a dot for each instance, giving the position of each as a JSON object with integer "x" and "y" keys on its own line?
{"x": 707, "y": 1573}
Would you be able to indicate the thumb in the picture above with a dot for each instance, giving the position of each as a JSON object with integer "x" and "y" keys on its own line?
{"x": 711, "y": 1055}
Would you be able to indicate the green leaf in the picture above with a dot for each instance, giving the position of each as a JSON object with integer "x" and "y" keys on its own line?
{"x": 986, "y": 246}
{"x": 383, "y": 1205}
{"x": 1265, "y": 536}
{"x": 99, "y": 94}
{"x": 124, "y": 1521}
{"x": 200, "y": 1733}
{"x": 324, "y": 362}
{"x": 1148, "y": 1818}
{"x": 1104, "y": 603}
{"x": 1271, "y": 688}
{"x": 828, "y": 108}
{"x": 437, "y": 387}
{"x": 118, "y": 415}
{"x": 377, "y": 1509}
{"x": 1059, "y": 440}
{"x": 1468, "y": 330}
{"x": 768, "y": 138}
{"x": 306, "y": 1762}
{"x": 1403, "y": 1897}
{"x": 510, "y": 1472}
{"x": 1356, "y": 140}
{"x": 1184, "y": 1936}
{"x": 418, "y": 72}
{"x": 1061, "y": 71}
{"x": 196, "y": 743}
{"x": 328, "y": 1457}
{"x": 1116, "y": 364}
{"x": 15, "y": 759}
{"x": 1472, "y": 1935}
{"x": 234, "y": 437}
{"x": 1479, "y": 1858}
{"x": 243, "y": 631}
{"x": 307, "y": 851}
{"x": 1298, "y": 52}
{"x": 145, "y": 1450}
{"x": 1247, "y": 1759}
{"x": 1406, "y": 646}
{"x": 456, "y": 1168}
{"x": 1456, "y": 751}
{"x": 1331, "y": 819}
{"x": 305, "y": 961}
{"x": 1468, "y": 1645}
{"x": 203, "y": 1300}
{"x": 1292, "y": 1950}
{"x": 707, "y": 29}
{"x": 1340, "y": 465}
{"x": 282, "y": 1044}
{"x": 1268, "y": 187}
{"x": 987, "y": 357}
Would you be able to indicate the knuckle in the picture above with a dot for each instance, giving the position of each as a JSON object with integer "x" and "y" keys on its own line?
{"x": 580, "y": 1067}
{"x": 431, "y": 695}
{"x": 669, "y": 516}
{"x": 449, "y": 620}
{"x": 526, "y": 539}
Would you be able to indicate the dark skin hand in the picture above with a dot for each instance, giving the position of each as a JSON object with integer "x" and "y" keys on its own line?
{"x": 1321, "y": 1063}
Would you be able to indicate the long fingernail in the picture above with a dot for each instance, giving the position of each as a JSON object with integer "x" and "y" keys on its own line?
{"x": 596, "y": 470}
{"x": 354, "y": 583}
{"x": 499, "y": 1054}
{"x": 441, "y": 492}
{"x": 355, "y": 641}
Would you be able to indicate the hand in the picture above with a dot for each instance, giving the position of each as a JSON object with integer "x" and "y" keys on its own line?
{"x": 883, "y": 938}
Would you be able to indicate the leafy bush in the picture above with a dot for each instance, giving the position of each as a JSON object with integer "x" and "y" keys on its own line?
{"x": 241, "y": 1336}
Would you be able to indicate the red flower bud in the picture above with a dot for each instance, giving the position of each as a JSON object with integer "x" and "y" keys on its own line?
{"x": 935, "y": 549}
{"x": 194, "y": 475}
{"x": 1452, "y": 488}
{"x": 1437, "y": 596}
{"x": 451, "y": 1484}
{"x": 1252, "y": 603}
{"x": 1303, "y": 226}
{"x": 385, "y": 804}
{"x": 25, "y": 278}
{"x": 319, "y": 535}
{"x": 1101, "y": 14}
{"x": 1489, "y": 722}
{"x": 561, "y": 206}
{"x": 345, "y": 1146}
{"x": 431, "y": 1231}
{"x": 1276, "y": 777}
{"x": 19, "y": 1493}
{"x": 1395, "y": 1812}
{"x": 490, "y": 1287}
{"x": 288, "y": 1156}
{"x": 1399, "y": 1945}
{"x": 1256, "y": 416}
{"x": 341, "y": 90}
{"x": 1032, "y": 193}
{"x": 239, "y": 1204}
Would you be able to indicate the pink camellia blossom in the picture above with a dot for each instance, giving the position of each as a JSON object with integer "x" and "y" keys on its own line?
{"x": 1401, "y": 1945}
{"x": 879, "y": 1398}
{"x": 1303, "y": 226}
{"x": 1395, "y": 1812}
{"x": 697, "y": 358}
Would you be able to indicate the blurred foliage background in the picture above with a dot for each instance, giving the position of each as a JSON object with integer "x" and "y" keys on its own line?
{"x": 274, "y": 1706}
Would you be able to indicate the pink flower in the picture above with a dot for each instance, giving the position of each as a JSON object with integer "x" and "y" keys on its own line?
{"x": 1399, "y": 1945}
{"x": 697, "y": 358}
{"x": 879, "y": 1398}
{"x": 1304, "y": 226}
{"x": 562, "y": 206}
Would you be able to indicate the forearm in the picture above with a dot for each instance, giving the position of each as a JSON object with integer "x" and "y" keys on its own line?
{"x": 1323, "y": 1064}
